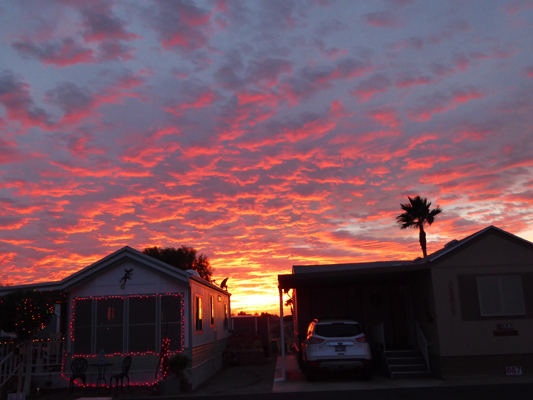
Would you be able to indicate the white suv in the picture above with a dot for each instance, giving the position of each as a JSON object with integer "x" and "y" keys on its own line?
{"x": 336, "y": 345}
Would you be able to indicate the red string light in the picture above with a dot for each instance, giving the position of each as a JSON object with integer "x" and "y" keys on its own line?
{"x": 135, "y": 354}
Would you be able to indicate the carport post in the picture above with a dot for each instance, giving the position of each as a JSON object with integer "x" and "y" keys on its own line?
{"x": 282, "y": 328}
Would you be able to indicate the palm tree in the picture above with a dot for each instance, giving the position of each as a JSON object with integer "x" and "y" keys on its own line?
{"x": 289, "y": 302}
{"x": 416, "y": 214}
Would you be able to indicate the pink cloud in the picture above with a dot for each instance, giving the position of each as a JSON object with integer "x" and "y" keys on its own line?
{"x": 382, "y": 19}
{"x": 387, "y": 117}
{"x": 451, "y": 29}
{"x": 101, "y": 25}
{"x": 377, "y": 83}
{"x": 439, "y": 103}
{"x": 407, "y": 80}
{"x": 517, "y": 6}
{"x": 9, "y": 152}
{"x": 181, "y": 24}
{"x": 203, "y": 100}
{"x": 62, "y": 53}
{"x": 15, "y": 97}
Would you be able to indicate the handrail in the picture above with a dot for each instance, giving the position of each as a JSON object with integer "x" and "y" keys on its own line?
{"x": 9, "y": 366}
{"x": 48, "y": 356}
{"x": 423, "y": 344}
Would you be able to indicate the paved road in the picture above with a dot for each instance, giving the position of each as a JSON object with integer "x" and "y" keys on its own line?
{"x": 477, "y": 392}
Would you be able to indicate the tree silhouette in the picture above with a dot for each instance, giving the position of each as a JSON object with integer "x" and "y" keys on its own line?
{"x": 416, "y": 214}
{"x": 289, "y": 303}
{"x": 183, "y": 258}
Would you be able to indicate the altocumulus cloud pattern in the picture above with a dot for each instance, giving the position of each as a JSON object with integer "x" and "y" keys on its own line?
{"x": 262, "y": 133}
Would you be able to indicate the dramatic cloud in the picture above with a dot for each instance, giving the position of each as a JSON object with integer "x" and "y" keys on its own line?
{"x": 264, "y": 134}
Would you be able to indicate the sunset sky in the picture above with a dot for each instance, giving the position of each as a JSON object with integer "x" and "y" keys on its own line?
{"x": 265, "y": 134}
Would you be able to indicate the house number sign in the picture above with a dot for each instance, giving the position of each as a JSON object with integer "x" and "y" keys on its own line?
{"x": 516, "y": 370}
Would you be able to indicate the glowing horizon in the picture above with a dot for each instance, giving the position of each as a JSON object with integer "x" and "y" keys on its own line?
{"x": 263, "y": 134}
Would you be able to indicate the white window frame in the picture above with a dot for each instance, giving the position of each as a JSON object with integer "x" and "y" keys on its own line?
{"x": 125, "y": 323}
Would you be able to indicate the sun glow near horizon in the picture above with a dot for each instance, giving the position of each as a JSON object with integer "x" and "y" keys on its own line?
{"x": 262, "y": 134}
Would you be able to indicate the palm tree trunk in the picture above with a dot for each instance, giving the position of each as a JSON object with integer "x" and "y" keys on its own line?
{"x": 422, "y": 238}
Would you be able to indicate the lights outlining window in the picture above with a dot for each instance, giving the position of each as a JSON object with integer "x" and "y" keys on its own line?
{"x": 199, "y": 323}
{"x": 211, "y": 311}
{"x": 126, "y": 325}
{"x": 500, "y": 295}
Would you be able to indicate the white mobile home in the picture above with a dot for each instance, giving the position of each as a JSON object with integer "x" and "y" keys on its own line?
{"x": 126, "y": 304}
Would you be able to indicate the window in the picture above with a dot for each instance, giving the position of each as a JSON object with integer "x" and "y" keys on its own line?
{"x": 82, "y": 326}
{"x": 142, "y": 324}
{"x": 199, "y": 323}
{"x": 110, "y": 325}
{"x": 211, "y": 311}
{"x": 337, "y": 329}
{"x": 500, "y": 295}
{"x": 127, "y": 325}
{"x": 226, "y": 316}
{"x": 171, "y": 318}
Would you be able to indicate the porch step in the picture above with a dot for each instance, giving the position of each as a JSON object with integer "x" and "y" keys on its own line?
{"x": 405, "y": 361}
{"x": 411, "y": 375}
{"x": 405, "y": 364}
{"x": 408, "y": 368}
{"x": 401, "y": 353}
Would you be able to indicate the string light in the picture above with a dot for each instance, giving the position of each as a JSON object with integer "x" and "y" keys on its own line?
{"x": 166, "y": 341}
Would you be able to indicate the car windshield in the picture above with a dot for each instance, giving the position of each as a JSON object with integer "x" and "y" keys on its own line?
{"x": 338, "y": 329}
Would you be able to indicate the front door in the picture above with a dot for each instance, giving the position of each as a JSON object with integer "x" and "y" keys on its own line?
{"x": 390, "y": 303}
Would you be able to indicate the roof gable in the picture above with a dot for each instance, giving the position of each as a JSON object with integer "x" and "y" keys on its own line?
{"x": 118, "y": 256}
{"x": 90, "y": 272}
{"x": 489, "y": 246}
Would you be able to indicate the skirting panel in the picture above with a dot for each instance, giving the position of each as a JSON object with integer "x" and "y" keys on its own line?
{"x": 487, "y": 365}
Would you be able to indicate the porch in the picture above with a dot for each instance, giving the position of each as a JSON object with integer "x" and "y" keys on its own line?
{"x": 47, "y": 363}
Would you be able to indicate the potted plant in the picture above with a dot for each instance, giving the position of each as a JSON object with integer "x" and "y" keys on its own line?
{"x": 177, "y": 365}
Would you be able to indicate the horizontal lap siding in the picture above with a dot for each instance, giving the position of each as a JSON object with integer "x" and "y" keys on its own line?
{"x": 207, "y": 351}
{"x": 207, "y": 360}
{"x": 203, "y": 353}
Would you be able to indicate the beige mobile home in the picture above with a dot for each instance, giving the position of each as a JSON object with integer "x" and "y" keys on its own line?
{"x": 464, "y": 310}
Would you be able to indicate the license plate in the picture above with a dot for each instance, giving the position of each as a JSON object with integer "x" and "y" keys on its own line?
{"x": 340, "y": 349}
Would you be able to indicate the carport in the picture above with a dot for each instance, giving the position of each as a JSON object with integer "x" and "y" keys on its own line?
{"x": 386, "y": 298}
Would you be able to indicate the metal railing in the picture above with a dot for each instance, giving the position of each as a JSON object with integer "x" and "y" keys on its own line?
{"x": 9, "y": 364}
{"x": 423, "y": 344}
{"x": 47, "y": 358}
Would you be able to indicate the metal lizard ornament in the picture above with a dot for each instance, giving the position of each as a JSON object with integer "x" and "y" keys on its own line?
{"x": 126, "y": 276}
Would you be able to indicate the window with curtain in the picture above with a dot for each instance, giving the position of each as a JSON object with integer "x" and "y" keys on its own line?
{"x": 211, "y": 311}
{"x": 199, "y": 323}
{"x": 501, "y": 295}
